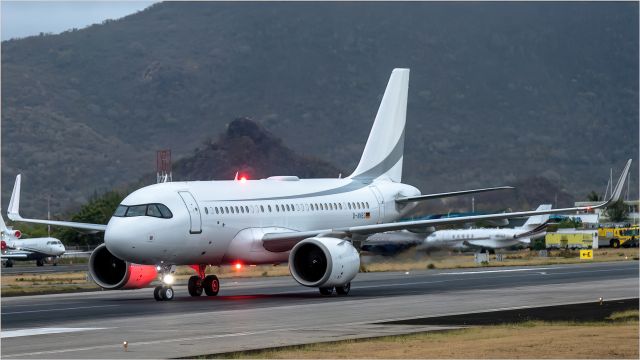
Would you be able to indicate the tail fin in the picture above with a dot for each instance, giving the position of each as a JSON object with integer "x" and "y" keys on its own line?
{"x": 534, "y": 221}
{"x": 383, "y": 153}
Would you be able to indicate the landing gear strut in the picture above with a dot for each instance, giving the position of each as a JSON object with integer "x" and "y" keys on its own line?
{"x": 165, "y": 291}
{"x": 340, "y": 290}
{"x": 199, "y": 283}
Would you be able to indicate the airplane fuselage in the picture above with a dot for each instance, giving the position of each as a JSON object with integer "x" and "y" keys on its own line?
{"x": 469, "y": 238}
{"x": 221, "y": 222}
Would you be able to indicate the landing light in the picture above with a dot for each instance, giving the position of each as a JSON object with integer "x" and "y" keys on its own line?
{"x": 168, "y": 279}
{"x": 237, "y": 265}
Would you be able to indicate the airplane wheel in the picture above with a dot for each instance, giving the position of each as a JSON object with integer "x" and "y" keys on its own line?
{"x": 9, "y": 263}
{"x": 166, "y": 292}
{"x": 326, "y": 291}
{"x": 195, "y": 286}
{"x": 156, "y": 293}
{"x": 344, "y": 289}
{"x": 211, "y": 285}
{"x": 39, "y": 263}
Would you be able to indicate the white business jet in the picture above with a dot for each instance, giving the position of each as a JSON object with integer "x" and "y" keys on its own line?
{"x": 39, "y": 249}
{"x": 312, "y": 223}
{"x": 488, "y": 238}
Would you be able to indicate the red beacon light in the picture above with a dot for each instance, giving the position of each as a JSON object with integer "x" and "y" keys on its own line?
{"x": 17, "y": 234}
{"x": 243, "y": 179}
{"x": 237, "y": 265}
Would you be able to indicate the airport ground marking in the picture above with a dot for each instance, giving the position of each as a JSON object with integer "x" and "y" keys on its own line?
{"x": 58, "y": 309}
{"x": 41, "y": 331}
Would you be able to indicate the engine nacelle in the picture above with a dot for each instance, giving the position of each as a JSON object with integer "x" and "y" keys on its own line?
{"x": 112, "y": 273}
{"x": 324, "y": 262}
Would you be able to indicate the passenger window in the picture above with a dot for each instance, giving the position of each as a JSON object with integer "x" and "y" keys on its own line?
{"x": 367, "y": 204}
{"x": 237, "y": 210}
{"x": 349, "y": 205}
{"x": 152, "y": 210}
{"x": 261, "y": 208}
{"x": 242, "y": 209}
{"x": 217, "y": 210}
{"x": 269, "y": 208}
{"x": 288, "y": 207}
{"x": 232, "y": 210}
{"x": 340, "y": 206}
{"x": 206, "y": 211}
{"x": 246, "y": 208}
{"x": 277, "y": 208}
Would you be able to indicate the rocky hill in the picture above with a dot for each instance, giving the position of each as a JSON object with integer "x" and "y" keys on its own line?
{"x": 498, "y": 92}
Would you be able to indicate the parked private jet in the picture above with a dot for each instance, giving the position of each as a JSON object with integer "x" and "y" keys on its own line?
{"x": 482, "y": 239}
{"x": 38, "y": 249}
{"x": 313, "y": 224}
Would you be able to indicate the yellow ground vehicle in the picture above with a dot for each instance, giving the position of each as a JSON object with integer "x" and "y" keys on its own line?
{"x": 571, "y": 240}
{"x": 618, "y": 236}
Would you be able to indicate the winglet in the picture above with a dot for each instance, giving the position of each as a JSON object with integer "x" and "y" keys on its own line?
{"x": 617, "y": 191}
{"x": 13, "y": 212}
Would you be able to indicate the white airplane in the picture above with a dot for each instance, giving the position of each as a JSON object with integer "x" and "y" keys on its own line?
{"x": 312, "y": 224}
{"x": 38, "y": 249}
{"x": 488, "y": 238}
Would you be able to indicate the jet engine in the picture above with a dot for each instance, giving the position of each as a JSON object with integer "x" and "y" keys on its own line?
{"x": 111, "y": 273}
{"x": 324, "y": 262}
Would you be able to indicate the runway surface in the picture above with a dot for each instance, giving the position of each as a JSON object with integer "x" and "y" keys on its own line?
{"x": 265, "y": 312}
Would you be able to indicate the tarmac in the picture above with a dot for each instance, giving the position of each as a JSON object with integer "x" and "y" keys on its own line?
{"x": 266, "y": 312}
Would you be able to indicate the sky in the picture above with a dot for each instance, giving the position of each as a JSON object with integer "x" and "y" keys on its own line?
{"x": 26, "y": 18}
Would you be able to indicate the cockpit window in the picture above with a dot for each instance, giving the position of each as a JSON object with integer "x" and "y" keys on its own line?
{"x": 137, "y": 210}
{"x": 153, "y": 210}
{"x": 120, "y": 210}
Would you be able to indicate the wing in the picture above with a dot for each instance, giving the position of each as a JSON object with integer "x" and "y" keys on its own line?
{"x": 291, "y": 238}
{"x": 13, "y": 213}
{"x": 449, "y": 194}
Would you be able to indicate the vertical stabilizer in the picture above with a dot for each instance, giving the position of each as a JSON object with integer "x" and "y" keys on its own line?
{"x": 534, "y": 221}
{"x": 383, "y": 153}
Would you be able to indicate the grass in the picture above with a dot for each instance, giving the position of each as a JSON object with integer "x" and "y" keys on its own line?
{"x": 615, "y": 338}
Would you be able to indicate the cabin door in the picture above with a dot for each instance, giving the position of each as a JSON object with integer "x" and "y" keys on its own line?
{"x": 194, "y": 212}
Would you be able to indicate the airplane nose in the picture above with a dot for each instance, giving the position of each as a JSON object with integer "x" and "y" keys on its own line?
{"x": 116, "y": 238}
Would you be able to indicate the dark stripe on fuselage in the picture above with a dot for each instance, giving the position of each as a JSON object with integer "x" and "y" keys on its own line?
{"x": 386, "y": 164}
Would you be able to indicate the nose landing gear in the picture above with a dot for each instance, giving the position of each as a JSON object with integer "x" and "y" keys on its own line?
{"x": 197, "y": 283}
{"x": 165, "y": 291}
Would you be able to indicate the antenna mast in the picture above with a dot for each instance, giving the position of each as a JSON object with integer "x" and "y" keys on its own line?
{"x": 163, "y": 166}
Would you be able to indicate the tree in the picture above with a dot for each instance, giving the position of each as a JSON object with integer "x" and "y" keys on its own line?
{"x": 97, "y": 211}
{"x": 618, "y": 211}
{"x": 593, "y": 196}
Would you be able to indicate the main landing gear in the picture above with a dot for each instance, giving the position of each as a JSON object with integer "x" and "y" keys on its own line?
{"x": 165, "y": 291}
{"x": 199, "y": 283}
{"x": 340, "y": 290}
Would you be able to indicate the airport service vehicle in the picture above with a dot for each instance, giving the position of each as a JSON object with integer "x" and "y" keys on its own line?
{"x": 488, "y": 239}
{"x": 39, "y": 249}
{"x": 313, "y": 224}
{"x": 626, "y": 236}
{"x": 573, "y": 239}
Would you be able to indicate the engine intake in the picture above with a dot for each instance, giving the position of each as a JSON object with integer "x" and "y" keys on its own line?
{"x": 112, "y": 273}
{"x": 324, "y": 262}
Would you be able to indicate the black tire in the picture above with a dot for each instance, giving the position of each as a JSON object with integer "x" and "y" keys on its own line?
{"x": 39, "y": 262}
{"x": 344, "y": 289}
{"x": 167, "y": 293}
{"x": 156, "y": 293}
{"x": 195, "y": 286}
{"x": 211, "y": 285}
{"x": 9, "y": 263}
{"x": 326, "y": 291}
{"x": 615, "y": 243}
